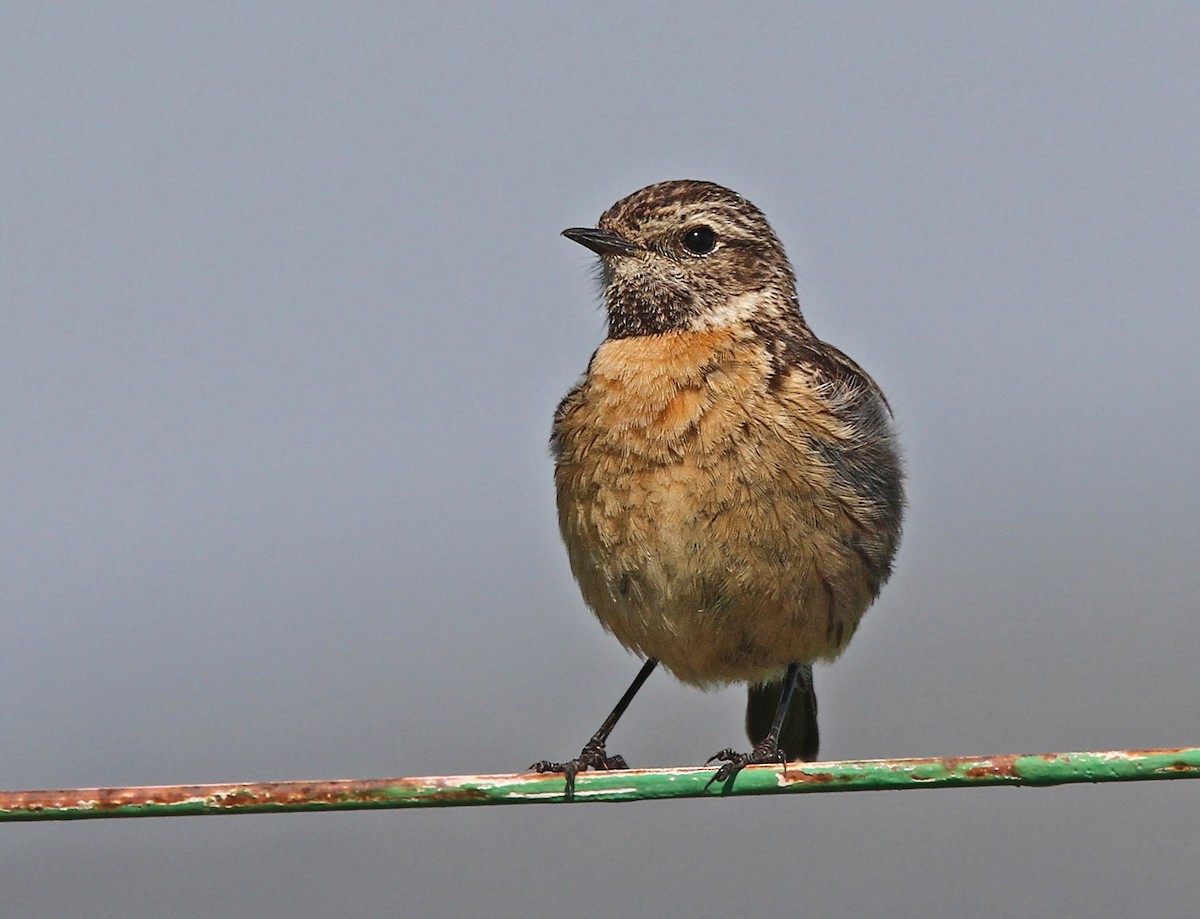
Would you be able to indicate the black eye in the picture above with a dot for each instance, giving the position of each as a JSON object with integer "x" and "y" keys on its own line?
{"x": 699, "y": 240}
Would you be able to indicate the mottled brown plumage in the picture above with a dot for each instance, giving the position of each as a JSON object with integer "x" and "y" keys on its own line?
{"x": 729, "y": 488}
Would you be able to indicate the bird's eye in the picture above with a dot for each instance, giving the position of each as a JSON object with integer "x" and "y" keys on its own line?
{"x": 699, "y": 240}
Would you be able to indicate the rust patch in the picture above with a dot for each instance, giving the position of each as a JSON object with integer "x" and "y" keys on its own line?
{"x": 240, "y": 795}
{"x": 1003, "y": 767}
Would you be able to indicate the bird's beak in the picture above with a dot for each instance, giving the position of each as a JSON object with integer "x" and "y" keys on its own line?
{"x": 602, "y": 242}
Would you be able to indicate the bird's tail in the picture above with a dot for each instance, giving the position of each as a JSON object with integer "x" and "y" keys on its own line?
{"x": 799, "y": 738}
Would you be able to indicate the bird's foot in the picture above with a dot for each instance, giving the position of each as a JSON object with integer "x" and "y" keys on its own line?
{"x": 766, "y": 752}
{"x": 592, "y": 756}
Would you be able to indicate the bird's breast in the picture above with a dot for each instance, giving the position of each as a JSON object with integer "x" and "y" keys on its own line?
{"x": 701, "y": 522}
{"x": 666, "y": 395}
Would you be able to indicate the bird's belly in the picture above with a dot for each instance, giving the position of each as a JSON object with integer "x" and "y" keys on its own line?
{"x": 725, "y": 565}
{"x": 703, "y": 519}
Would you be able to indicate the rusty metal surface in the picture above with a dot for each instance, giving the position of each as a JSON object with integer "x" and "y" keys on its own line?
{"x": 627, "y": 785}
{"x": 246, "y": 795}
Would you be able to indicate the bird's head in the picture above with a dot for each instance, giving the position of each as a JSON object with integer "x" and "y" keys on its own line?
{"x": 688, "y": 255}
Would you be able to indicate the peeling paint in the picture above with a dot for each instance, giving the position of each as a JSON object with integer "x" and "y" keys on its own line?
{"x": 1043, "y": 769}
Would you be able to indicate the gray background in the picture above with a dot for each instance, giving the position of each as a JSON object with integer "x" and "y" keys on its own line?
{"x": 286, "y": 315}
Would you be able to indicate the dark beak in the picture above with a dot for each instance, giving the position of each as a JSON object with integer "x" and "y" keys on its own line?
{"x": 602, "y": 242}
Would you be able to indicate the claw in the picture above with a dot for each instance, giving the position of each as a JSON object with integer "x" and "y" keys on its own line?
{"x": 727, "y": 753}
{"x": 766, "y": 752}
{"x": 592, "y": 756}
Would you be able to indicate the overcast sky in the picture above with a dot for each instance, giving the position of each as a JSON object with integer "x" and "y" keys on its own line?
{"x": 286, "y": 315}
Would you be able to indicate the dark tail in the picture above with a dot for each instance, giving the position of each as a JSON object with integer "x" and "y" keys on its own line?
{"x": 799, "y": 738}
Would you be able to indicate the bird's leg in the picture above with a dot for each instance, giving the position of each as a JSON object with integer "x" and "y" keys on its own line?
{"x": 766, "y": 750}
{"x": 593, "y": 755}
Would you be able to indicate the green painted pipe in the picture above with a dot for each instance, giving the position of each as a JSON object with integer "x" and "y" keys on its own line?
{"x": 630, "y": 785}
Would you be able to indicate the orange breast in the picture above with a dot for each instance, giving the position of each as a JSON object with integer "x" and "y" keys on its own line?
{"x": 702, "y": 527}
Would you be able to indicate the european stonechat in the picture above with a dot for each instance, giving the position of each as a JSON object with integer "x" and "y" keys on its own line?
{"x": 729, "y": 486}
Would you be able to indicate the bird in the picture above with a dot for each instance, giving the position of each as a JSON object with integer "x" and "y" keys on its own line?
{"x": 729, "y": 486}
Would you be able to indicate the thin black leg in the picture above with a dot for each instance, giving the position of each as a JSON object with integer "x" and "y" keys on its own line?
{"x": 766, "y": 750}
{"x": 785, "y": 701}
{"x": 593, "y": 755}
